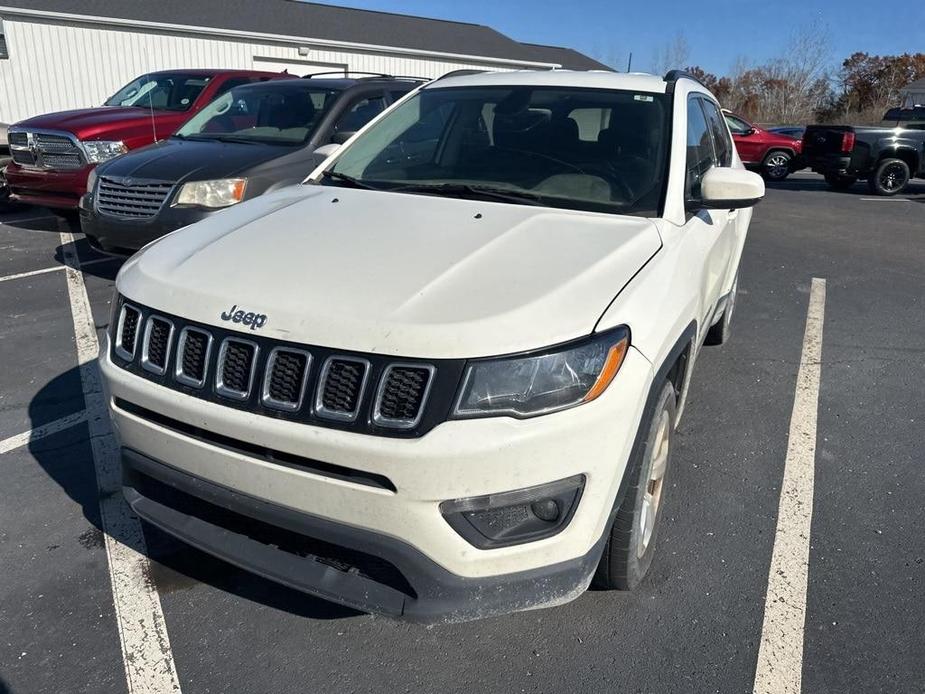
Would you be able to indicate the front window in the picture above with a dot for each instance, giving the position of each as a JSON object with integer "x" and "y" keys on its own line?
{"x": 161, "y": 92}
{"x": 588, "y": 149}
{"x": 737, "y": 125}
{"x": 266, "y": 113}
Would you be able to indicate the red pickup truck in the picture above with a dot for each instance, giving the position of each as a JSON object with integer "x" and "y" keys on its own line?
{"x": 53, "y": 154}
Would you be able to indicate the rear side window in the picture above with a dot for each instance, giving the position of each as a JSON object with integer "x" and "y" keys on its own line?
{"x": 699, "y": 148}
{"x": 360, "y": 114}
{"x": 721, "y": 140}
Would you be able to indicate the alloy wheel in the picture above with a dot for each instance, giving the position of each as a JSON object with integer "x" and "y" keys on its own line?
{"x": 652, "y": 499}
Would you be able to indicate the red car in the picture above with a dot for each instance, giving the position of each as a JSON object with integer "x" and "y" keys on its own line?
{"x": 773, "y": 155}
{"x": 53, "y": 154}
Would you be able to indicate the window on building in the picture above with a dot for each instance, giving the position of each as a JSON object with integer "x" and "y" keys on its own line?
{"x": 4, "y": 51}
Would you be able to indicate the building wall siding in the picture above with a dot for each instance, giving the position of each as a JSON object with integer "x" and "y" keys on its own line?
{"x": 54, "y": 67}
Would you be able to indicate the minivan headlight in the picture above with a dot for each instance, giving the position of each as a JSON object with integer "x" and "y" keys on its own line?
{"x": 99, "y": 151}
{"x": 539, "y": 383}
{"x": 212, "y": 194}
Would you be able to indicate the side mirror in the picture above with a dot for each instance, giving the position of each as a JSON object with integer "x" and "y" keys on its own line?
{"x": 750, "y": 131}
{"x": 323, "y": 152}
{"x": 728, "y": 189}
{"x": 340, "y": 138}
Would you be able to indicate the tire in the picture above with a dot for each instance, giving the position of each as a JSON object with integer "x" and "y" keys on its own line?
{"x": 631, "y": 544}
{"x": 776, "y": 165}
{"x": 719, "y": 333}
{"x": 889, "y": 178}
{"x": 840, "y": 183}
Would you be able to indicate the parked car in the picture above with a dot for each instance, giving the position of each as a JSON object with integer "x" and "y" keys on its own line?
{"x": 53, "y": 154}
{"x": 887, "y": 157}
{"x": 440, "y": 380}
{"x": 794, "y": 131}
{"x": 774, "y": 155}
{"x": 250, "y": 140}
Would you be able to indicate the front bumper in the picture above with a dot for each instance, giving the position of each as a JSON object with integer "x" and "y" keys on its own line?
{"x": 458, "y": 459}
{"x": 55, "y": 189}
{"x": 125, "y": 235}
{"x": 354, "y": 567}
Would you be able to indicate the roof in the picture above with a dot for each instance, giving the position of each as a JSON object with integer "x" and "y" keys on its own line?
{"x": 918, "y": 85}
{"x": 559, "y": 78}
{"x": 323, "y": 22}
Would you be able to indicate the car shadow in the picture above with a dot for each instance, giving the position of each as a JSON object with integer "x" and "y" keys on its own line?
{"x": 916, "y": 188}
{"x": 92, "y": 261}
{"x": 67, "y": 459}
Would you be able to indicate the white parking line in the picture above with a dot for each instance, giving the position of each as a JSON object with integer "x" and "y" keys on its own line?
{"x": 146, "y": 654}
{"x": 780, "y": 656}
{"x": 885, "y": 200}
{"x": 40, "y": 432}
{"x": 31, "y": 273}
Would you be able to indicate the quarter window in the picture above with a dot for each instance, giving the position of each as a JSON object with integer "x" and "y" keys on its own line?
{"x": 699, "y": 148}
{"x": 721, "y": 140}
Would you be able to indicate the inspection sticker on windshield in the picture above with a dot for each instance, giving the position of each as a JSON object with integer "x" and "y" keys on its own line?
{"x": 642, "y": 97}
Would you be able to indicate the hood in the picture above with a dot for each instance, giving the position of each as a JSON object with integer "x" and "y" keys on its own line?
{"x": 399, "y": 274}
{"x": 181, "y": 160}
{"x": 107, "y": 122}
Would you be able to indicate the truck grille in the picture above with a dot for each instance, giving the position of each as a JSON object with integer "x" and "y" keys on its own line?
{"x": 45, "y": 150}
{"x": 120, "y": 197}
{"x": 367, "y": 393}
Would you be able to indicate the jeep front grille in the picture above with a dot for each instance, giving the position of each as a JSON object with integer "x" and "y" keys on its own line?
{"x": 235, "y": 374}
{"x": 368, "y": 393}
{"x": 401, "y": 396}
{"x": 284, "y": 381}
{"x": 193, "y": 350}
{"x": 45, "y": 150}
{"x": 121, "y": 197}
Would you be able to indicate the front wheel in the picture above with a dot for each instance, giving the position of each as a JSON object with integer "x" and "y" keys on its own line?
{"x": 841, "y": 183}
{"x": 631, "y": 544}
{"x": 889, "y": 178}
{"x": 776, "y": 166}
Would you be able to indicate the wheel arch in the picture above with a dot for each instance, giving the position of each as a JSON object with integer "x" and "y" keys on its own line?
{"x": 906, "y": 154}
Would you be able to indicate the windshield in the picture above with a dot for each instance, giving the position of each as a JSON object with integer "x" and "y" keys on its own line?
{"x": 590, "y": 149}
{"x": 161, "y": 91}
{"x": 261, "y": 114}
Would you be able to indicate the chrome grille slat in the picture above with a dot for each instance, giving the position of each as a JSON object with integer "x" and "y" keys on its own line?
{"x": 127, "y": 332}
{"x": 193, "y": 349}
{"x": 121, "y": 198}
{"x": 341, "y": 388}
{"x": 234, "y": 371}
{"x": 285, "y": 378}
{"x": 156, "y": 345}
{"x": 402, "y": 395}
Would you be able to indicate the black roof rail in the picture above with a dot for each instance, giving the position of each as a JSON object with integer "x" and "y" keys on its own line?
{"x": 673, "y": 76}
{"x": 461, "y": 73}
{"x": 345, "y": 74}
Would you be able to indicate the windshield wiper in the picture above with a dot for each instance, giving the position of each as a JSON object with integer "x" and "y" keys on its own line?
{"x": 349, "y": 180}
{"x": 518, "y": 197}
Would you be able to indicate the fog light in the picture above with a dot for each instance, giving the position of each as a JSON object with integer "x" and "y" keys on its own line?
{"x": 511, "y": 518}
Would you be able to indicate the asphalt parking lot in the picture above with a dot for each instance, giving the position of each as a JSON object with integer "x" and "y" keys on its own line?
{"x": 694, "y": 626}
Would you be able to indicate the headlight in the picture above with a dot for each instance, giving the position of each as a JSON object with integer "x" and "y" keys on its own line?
{"x": 212, "y": 194}
{"x": 91, "y": 180}
{"x": 99, "y": 151}
{"x": 543, "y": 382}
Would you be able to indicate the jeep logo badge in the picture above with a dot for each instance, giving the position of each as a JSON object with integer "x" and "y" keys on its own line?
{"x": 254, "y": 320}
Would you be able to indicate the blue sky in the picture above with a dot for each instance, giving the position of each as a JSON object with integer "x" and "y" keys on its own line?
{"x": 718, "y": 31}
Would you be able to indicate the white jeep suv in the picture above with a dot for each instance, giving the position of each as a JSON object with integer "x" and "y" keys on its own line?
{"x": 440, "y": 379}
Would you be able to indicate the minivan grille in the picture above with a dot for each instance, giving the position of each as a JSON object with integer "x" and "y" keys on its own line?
{"x": 368, "y": 393}
{"x": 121, "y": 197}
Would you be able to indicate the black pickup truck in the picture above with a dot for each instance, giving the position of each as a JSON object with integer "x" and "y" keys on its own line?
{"x": 888, "y": 156}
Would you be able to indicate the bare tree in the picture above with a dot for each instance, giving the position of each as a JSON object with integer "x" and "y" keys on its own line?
{"x": 673, "y": 55}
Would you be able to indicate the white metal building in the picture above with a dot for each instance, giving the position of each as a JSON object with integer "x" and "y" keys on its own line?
{"x": 61, "y": 54}
{"x": 914, "y": 94}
